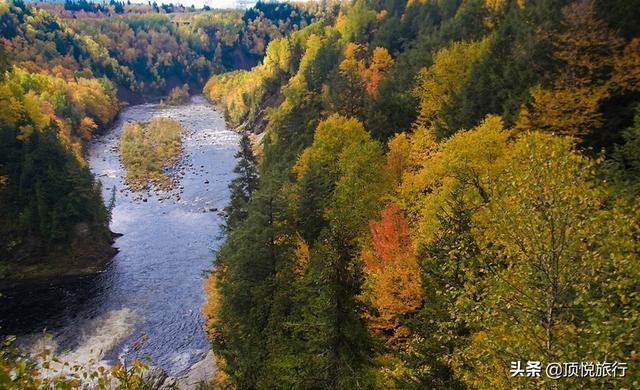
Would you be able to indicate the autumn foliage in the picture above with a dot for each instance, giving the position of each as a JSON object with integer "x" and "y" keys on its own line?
{"x": 390, "y": 239}
{"x": 492, "y": 229}
{"x": 393, "y": 273}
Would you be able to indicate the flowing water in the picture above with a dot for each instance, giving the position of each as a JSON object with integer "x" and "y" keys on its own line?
{"x": 153, "y": 286}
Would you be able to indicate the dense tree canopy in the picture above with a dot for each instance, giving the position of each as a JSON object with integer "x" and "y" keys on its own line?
{"x": 47, "y": 188}
{"x": 145, "y": 53}
{"x": 438, "y": 188}
{"x": 499, "y": 226}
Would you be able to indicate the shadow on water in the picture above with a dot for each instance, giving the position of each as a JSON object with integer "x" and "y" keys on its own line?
{"x": 34, "y": 307}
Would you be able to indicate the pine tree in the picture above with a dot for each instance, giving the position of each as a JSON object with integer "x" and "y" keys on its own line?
{"x": 341, "y": 171}
{"x": 243, "y": 186}
{"x": 245, "y": 271}
{"x": 450, "y": 276}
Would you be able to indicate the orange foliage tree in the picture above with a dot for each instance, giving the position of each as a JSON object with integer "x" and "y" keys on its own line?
{"x": 393, "y": 274}
{"x": 380, "y": 64}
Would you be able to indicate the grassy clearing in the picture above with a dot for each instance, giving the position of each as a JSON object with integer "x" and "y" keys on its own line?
{"x": 146, "y": 149}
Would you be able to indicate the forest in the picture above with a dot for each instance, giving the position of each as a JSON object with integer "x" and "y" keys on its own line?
{"x": 443, "y": 188}
{"x": 428, "y": 193}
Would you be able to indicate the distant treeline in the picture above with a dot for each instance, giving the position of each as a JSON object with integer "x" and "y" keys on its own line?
{"x": 118, "y": 7}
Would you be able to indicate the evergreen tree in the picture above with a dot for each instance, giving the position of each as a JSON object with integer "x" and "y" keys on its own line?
{"x": 450, "y": 273}
{"x": 624, "y": 166}
{"x": 245, "y": 271}
{"x": 243, "y": 186}
{"x": 118, "y": 7}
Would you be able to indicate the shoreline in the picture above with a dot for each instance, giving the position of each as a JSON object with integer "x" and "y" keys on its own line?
{"x": 56, "y": 267}
{"x": 198, "y": 373}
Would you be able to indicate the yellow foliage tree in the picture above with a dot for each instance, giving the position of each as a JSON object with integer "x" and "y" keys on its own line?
{"x": 468, "y": 159}
{"x": 398, "y": 157}
{"x": 626, "y": 72}
{"x": 537, "y": 235}
{"x": 438, "y": 84}
{"x": 87, "y": 127}
{"x": 210, "y": 310}
{"x": 596, "y": 64}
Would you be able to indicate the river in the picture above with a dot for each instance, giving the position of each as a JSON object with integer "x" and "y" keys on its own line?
{"x": 153, "y": 286}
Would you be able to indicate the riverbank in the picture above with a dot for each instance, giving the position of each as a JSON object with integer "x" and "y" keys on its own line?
{"x": 199, "y": 374}
{"x": 85, "y": 256}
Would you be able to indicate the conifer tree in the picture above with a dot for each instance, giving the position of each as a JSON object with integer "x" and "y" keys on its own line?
{"x": 243, "y": 186}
